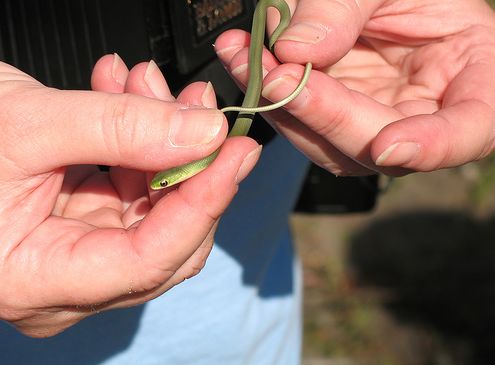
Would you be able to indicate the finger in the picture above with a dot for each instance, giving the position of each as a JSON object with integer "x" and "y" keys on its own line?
{"x": 109, "y": 74}
{"x": 80, "y": 127}
{"x": 198, "y": 93}
{"x": 73, "y": 177}
{"x": 321, "y": 31}
{"x": 462, "y": 130}
{"x": 195, "y": 263}
{"x": 190, "y": 268}
{"x": 230, "y": 42}
{"x": 232, "y": 49}
{"x": 130, "y": 185}
{"x": 146, "y": 79}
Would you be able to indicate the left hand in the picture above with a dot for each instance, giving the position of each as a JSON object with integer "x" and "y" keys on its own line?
{"x": 75, "y": 240}
{"x": 398, "y": 85}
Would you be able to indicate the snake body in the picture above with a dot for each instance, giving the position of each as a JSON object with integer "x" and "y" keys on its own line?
{"x": 252, "y": 96}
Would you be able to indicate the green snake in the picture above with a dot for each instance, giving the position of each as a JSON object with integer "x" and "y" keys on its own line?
{"x": 249, "y": 106}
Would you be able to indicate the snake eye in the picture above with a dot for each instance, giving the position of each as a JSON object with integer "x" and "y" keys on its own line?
{"x": 163, "y": 183}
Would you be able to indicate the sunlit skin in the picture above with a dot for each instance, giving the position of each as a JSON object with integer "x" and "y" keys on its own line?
{"x": 416, "y": 72}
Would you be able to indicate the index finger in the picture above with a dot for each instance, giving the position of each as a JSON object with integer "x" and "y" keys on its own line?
{"x": 44, "y": 129}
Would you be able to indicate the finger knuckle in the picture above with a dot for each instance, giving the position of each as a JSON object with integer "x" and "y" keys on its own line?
{"x": 154, "y": 278}
{"x": 120, "y": 124}
{"x": 11, "y": 315}
{"x": 193, "y": 269}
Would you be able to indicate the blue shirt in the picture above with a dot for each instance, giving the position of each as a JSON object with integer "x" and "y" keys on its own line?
{"x": 243, "y": 308}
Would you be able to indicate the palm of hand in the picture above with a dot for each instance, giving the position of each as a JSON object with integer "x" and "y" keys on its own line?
{"x": 388, "y": 77}
{"x": 394, "y": 63}
{"x": 117, "y": 199}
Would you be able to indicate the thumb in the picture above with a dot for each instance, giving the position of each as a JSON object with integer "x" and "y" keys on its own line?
{"x": 321, "y": 31}
{"x": 47, "y": 128}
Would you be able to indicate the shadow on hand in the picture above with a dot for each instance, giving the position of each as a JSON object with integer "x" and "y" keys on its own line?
{"x": 439, "y": 270}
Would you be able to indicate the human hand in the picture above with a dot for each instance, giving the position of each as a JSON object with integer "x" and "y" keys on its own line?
{"x": 75, "y": 240}
{"x": 400, "y": 86}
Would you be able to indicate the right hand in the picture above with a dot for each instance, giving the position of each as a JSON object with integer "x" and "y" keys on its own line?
{"x": 74, "y": 240}
{"x": 397, "y": 86}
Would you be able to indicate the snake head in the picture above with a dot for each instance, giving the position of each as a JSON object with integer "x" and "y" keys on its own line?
{"x": 175, "y": 175}
{"x": 168, "y": 178}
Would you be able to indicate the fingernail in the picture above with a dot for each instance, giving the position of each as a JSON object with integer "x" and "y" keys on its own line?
{"x": 239, "y": 70}
{"x": 119, "y": 69}
{"x": 304, "y": 33}
{"x": 230, "y": 49}
{"x": 283, "y": 86}
{"x": 208, "y": 98}
{"x": 195, "y": 126}
{"x": 248, "y": 164}
{"x": 153, "y": 77}
{"x": 398, "y": 154}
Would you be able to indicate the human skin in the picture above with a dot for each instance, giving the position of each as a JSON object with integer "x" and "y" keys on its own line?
{"x": 399, "y": 86}
{"x": 75, "y": 241}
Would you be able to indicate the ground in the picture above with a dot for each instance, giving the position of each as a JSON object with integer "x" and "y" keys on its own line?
{"x": 410, "y": 283}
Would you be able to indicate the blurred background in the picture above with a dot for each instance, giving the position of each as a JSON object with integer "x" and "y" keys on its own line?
{"x": 410, "y": 283}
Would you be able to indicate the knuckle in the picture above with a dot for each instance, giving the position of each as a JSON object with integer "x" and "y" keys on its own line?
{"x": 197, "y": 263}
{"x": 154, "y": 278}
{"x": 11, "y": 315}
{"x": 330, "y": 129}
{"x": 39, "y": 331}
{"x": 192, "y": 269}
{"x": 120, "y": 124}
{"x": 336, "y": 124}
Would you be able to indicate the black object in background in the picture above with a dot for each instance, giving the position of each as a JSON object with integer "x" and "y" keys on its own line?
{"x": 326, "y": 193}
{"x": 59, "y": 41}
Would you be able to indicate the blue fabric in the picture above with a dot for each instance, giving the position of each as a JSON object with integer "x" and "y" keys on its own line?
{"x": 243, "y": 308}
